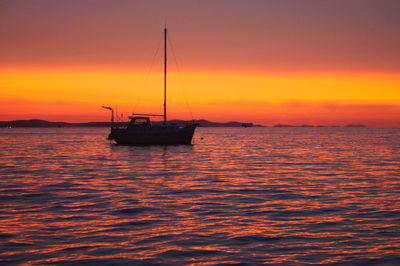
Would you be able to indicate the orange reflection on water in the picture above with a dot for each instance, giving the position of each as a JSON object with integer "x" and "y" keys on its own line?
{"x": 260, "y": 195}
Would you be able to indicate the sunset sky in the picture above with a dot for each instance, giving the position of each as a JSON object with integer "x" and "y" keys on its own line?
{"x": 329, "y": 62}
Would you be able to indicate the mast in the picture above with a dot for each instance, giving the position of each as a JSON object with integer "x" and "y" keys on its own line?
{"x": 165, "y": 76}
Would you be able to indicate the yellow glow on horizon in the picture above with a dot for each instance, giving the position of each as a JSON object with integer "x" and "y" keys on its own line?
{"x": 217, "y": 96}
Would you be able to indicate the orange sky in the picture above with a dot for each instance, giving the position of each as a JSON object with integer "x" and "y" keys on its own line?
{"x": 330, "y": 63}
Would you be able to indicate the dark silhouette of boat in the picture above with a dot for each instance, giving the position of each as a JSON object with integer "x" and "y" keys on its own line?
{"x": 247, "y": 125}
{"x": 140, "y": 130}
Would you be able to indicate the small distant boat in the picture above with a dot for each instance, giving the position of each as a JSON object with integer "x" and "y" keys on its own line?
{"x": 247, "y": 125}
{"x": 140, "y": 130}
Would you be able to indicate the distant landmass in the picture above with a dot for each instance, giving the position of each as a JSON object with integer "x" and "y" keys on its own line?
{"x": 201, "y": 122}
{"x": 285, "y": 125}
{"x": 44, "y": 123}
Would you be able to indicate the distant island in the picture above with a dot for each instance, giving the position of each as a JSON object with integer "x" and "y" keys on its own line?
{"x": 285, "y": 125}
{"x": 201, "y": 122}
{"x": 44, "y": 123}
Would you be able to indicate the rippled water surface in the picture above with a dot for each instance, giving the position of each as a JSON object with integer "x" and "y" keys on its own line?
{"x": 239, "y": 195}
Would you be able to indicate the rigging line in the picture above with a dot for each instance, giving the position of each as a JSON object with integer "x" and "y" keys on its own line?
{"x": 148, "y": 74}
{"x": 183, "y": 88}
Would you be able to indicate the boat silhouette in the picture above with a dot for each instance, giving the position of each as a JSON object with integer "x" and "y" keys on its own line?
{"x": 140, "y": 130}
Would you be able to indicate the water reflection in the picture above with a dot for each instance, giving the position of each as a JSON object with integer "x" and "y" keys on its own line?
{"x": 273, "y": 195}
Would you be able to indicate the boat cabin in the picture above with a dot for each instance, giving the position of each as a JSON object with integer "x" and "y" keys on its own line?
{"x": 139, "y": 121}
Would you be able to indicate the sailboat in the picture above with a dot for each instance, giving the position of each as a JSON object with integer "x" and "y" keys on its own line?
{"x": 140, "y": 130}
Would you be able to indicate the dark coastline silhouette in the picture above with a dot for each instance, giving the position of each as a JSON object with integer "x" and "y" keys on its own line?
{"x": 201, "y": 122}
{"x": 350, "y": 125}
{"x": 44, "y": 123}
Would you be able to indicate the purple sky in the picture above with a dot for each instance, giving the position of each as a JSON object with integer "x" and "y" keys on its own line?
{"x": 296, "y": 35}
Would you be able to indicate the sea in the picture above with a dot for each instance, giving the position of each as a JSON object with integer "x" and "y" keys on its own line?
{"x": 237, "y": 196}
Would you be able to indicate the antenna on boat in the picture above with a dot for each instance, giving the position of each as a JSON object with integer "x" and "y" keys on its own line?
{"x": 112, "y": 115}
{"x": 165, "y": 75}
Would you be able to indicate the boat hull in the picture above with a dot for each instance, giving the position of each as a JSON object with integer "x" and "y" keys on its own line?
{"x": 153, "y": 136}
